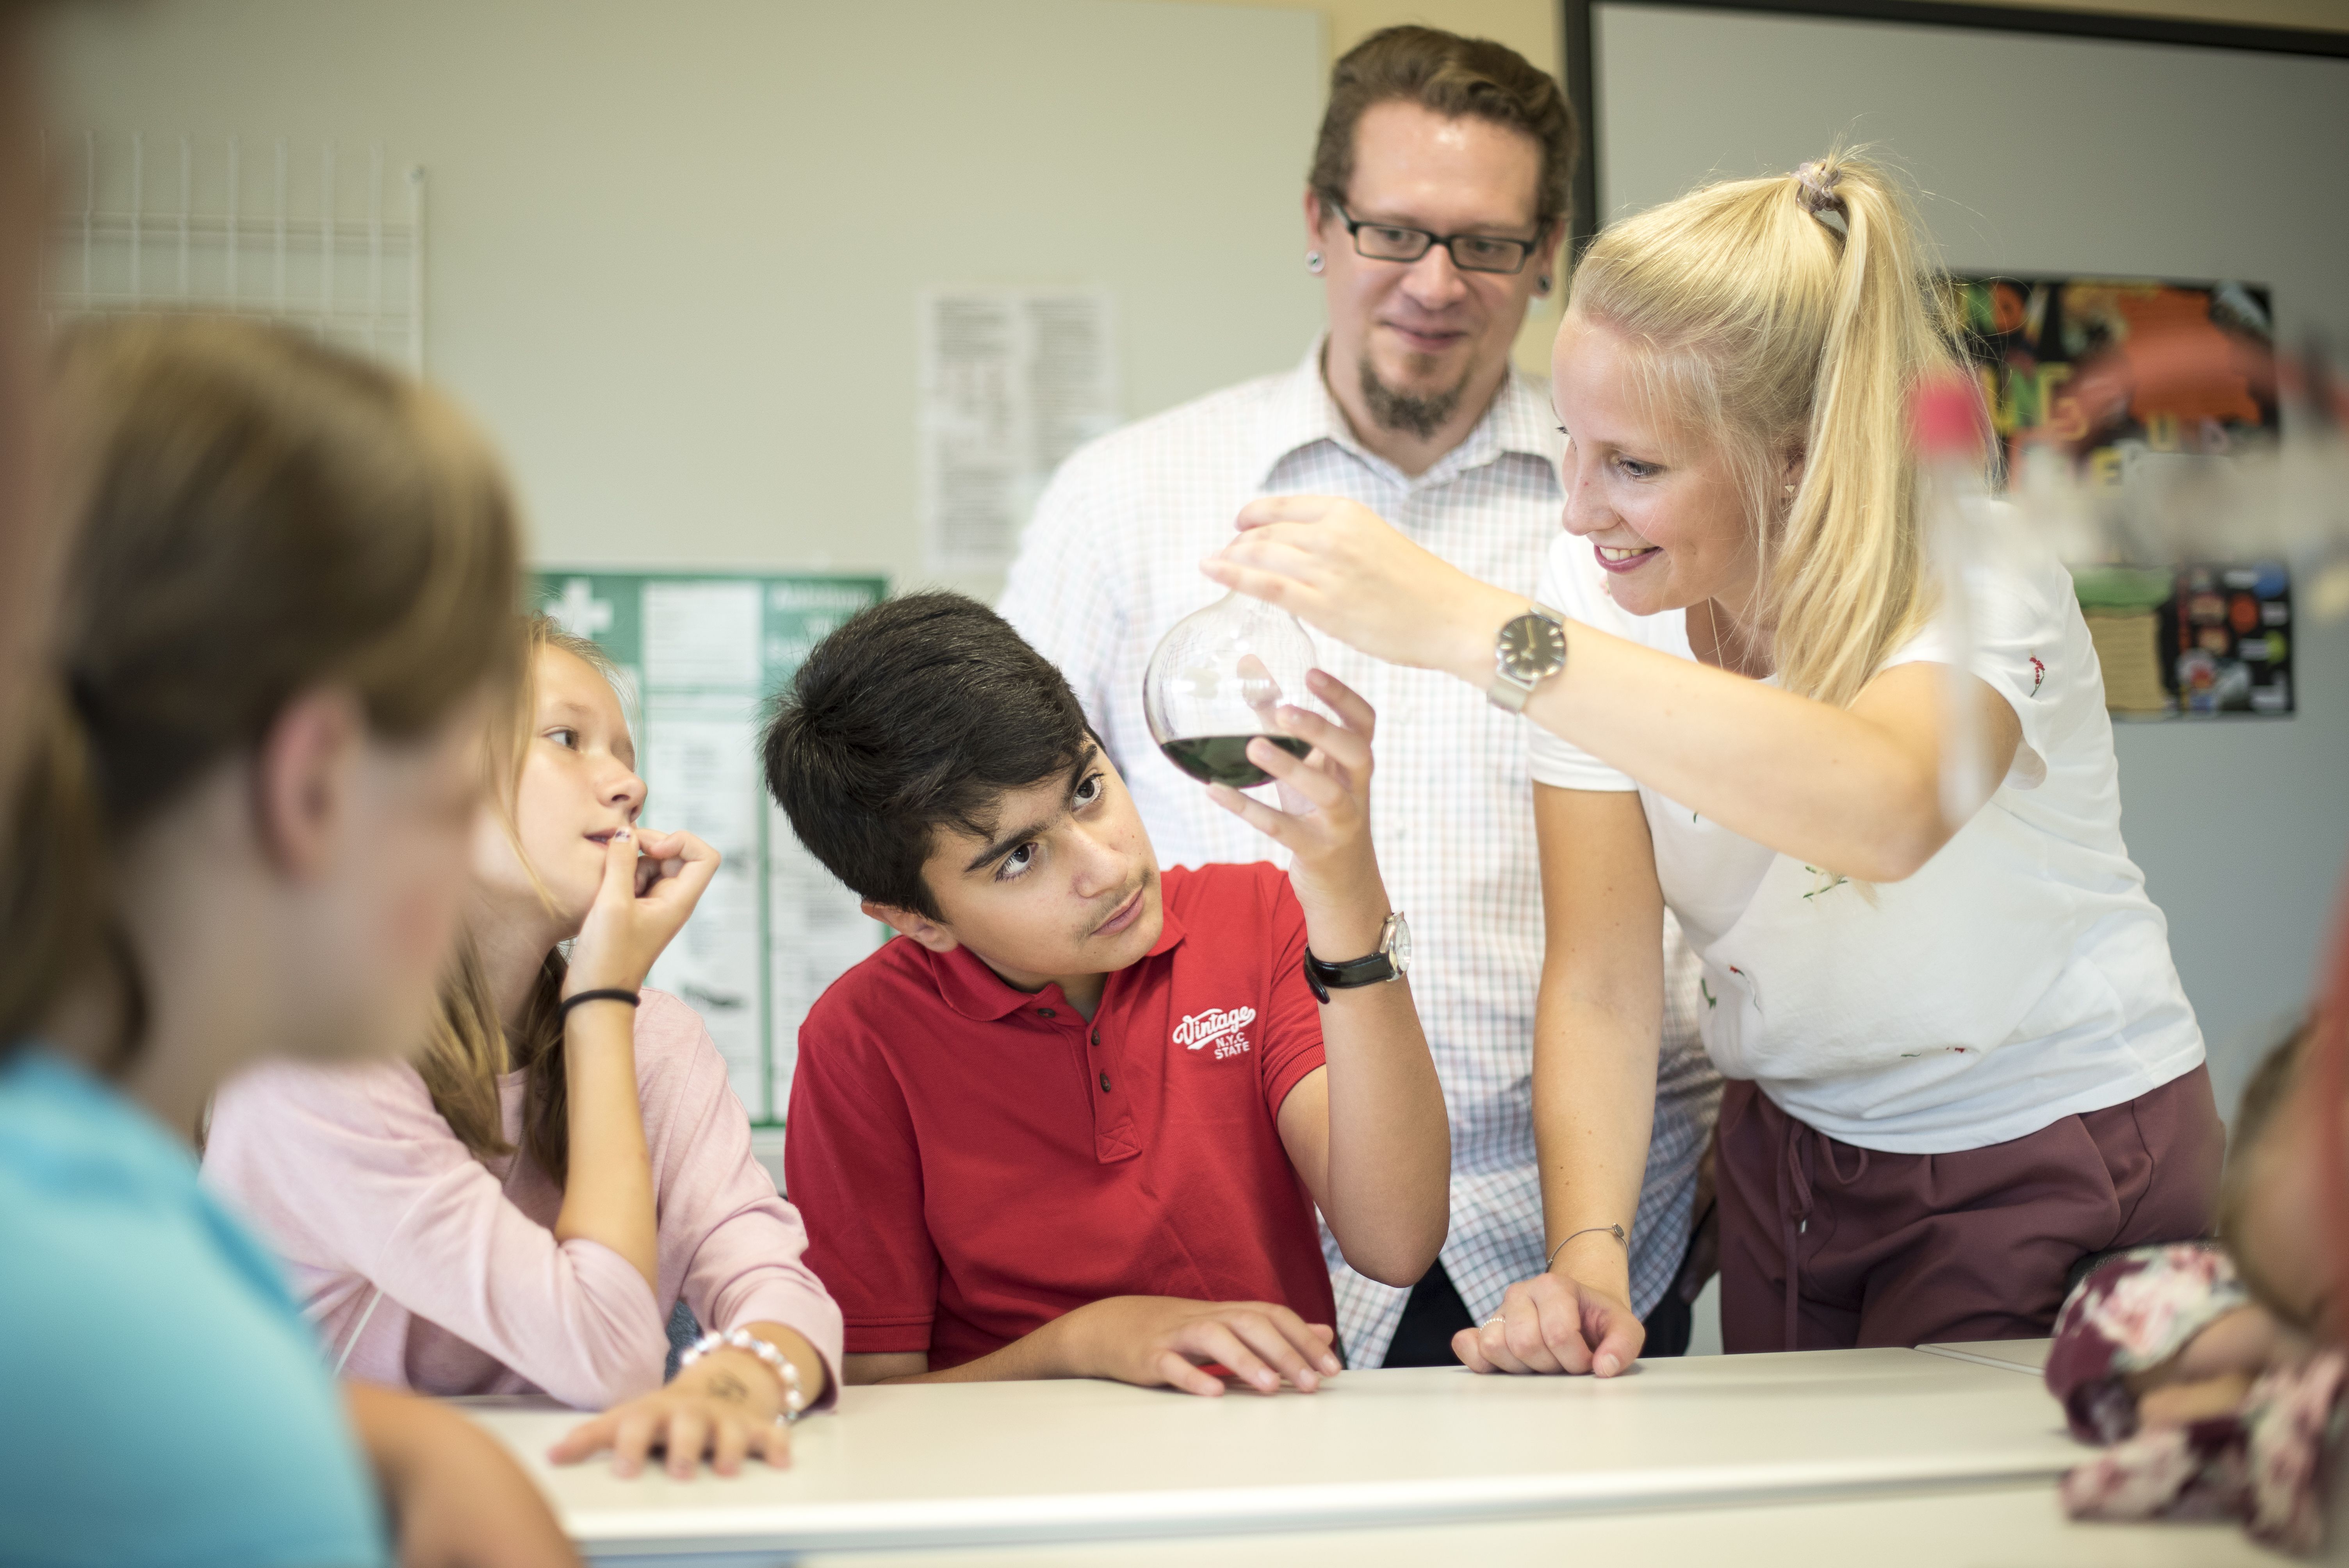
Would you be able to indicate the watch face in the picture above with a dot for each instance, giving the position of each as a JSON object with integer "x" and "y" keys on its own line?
{"x": 1397, "y": 945}
{"x": 1532, "y": 646}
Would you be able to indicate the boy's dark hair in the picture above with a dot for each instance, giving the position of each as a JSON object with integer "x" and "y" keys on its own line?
{"x": 919, "y": 712}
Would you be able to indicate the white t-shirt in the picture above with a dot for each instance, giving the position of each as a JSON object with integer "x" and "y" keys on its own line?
{"x": 2020, "y": 976}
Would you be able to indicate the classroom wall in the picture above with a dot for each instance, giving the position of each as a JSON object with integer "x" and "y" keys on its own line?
{"x": 629, "y": 283}
{"x": 675, "y": 249}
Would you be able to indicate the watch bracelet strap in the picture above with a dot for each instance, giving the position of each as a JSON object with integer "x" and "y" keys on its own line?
{"x": 1321, "y": 984}
{"x": 1365, "y": 971}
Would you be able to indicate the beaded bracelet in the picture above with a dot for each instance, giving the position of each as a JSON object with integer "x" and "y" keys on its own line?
{"x": 794, "y": 1399}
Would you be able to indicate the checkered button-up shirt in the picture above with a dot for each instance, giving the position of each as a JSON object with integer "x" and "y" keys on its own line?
{"x": 1112, "y": 561}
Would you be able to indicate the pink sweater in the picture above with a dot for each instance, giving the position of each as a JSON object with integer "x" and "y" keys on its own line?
{"x": 362, "y": 1189}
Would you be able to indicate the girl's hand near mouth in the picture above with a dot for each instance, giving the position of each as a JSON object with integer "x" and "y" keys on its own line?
{"x": 651, "y": 882}
{"x": 642, "y": 903}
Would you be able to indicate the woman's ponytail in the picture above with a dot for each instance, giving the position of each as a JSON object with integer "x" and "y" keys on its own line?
{"x": 1849, "y": 584}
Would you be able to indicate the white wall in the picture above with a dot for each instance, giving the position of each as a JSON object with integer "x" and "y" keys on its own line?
{"x": 673, "y": 248}
{"x": 2050, "y": 155}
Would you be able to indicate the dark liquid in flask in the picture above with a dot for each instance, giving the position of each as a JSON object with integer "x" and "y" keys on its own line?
{"x": 1223, "y": 759}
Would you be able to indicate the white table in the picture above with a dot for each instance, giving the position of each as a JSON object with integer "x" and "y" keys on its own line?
{"x": 1706, "y": 1451}
{"x": 1966, "y": 1527}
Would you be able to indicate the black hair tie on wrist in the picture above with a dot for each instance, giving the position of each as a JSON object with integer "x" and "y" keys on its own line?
{"x": 563, "y": 1012}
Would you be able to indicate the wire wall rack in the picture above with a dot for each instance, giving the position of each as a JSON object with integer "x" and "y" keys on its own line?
{"x": 151, "y": 226}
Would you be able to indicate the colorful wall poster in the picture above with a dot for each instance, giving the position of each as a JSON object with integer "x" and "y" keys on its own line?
{"x": 2209, "y": 637}
{"x": 702, "y": 654}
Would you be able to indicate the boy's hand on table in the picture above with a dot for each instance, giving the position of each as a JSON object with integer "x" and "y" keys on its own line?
{"x": 723, "y": 1405}
{"x": 1161, "y": 1341}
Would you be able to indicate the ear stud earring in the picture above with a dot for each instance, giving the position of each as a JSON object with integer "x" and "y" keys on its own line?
{"x": 1313, "y": 263}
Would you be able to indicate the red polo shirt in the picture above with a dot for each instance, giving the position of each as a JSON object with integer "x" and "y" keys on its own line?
{"x": 972, "y": 1161}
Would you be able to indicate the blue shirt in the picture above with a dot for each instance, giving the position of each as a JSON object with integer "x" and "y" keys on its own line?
{"x": 165, "y": 1401}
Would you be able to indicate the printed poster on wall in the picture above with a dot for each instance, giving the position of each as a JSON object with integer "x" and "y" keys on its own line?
{"x": 702, "y": 654}
{"x": 1011, "y": 381}
{"x": 2206, "y": 638}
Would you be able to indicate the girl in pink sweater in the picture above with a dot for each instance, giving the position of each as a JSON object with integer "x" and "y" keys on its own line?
{"x": 521, "y": 1210}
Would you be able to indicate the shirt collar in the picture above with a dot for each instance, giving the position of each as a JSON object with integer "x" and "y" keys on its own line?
{"x": 967, "y": 985}
{"x": 1302, "y": 413}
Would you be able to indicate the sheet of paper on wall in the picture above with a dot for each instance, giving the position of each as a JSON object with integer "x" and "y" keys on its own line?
{"x": 701, "y": 655}
{"x": 1012, "y": 380}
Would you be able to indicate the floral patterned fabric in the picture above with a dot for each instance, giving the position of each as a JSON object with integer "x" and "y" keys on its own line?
{"x": 2131, "y": 1315}
{"x": 2261, "y": 1464}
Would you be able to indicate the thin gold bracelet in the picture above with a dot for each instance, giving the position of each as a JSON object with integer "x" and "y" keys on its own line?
{"x": 1614, "y": 1230}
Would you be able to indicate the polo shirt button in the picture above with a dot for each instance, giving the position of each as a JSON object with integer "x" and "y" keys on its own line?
{"x": 1097, "y": 1037}
{"x": 1044, "y": 1013}
{"x": 1104, "y": 1083}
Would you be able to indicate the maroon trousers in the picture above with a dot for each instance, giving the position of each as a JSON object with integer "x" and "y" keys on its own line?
{"x": 1824, "y": 1245}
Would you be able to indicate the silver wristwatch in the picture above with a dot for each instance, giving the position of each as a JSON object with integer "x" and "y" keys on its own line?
{"x": 1529, "y": 650}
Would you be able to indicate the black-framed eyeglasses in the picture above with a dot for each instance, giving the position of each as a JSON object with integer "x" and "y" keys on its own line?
{"x": 1470, "y": 252}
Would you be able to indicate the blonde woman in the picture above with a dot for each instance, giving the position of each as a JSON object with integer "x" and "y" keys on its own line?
{"x": 1963, "y": 1060}
{"x": 523, "y": 1209}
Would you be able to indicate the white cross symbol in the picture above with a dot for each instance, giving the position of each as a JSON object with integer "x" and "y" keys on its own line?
{"x": 579, "y": 612}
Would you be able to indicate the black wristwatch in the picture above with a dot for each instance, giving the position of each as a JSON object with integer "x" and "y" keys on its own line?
{"x": 1390, "y": 962}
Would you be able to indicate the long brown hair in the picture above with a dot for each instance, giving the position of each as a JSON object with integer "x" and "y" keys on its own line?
{"x": 253, "y": 515}
{"x": 469, "y": 1050}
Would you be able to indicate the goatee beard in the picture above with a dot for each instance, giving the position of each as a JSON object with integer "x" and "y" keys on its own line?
{"x": 1408, "y": 412}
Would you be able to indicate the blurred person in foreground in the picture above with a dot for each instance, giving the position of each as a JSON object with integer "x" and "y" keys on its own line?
{"x": 240, "y": 833}
{"x": 1433, "y": 212}
{"x": 26, "y": 550}
{"x": 2210, "y": 1373}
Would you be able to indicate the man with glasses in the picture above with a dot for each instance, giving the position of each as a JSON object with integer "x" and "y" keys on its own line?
{"x": 1433, "y": 215}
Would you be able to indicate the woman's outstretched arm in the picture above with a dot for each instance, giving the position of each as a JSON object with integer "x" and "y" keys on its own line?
{"x": 1857, "y": 788}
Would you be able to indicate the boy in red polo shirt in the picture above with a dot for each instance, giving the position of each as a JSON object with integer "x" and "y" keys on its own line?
{"x": 1074, "y": 1121}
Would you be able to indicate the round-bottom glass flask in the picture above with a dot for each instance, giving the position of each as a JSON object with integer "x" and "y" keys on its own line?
{"x": 1215, "y": 682}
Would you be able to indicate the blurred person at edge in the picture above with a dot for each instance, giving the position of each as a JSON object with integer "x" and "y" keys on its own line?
{"x": 1461, "y": 152}
{"x": 26, "y": 552}
{"x": 240, "y": 832}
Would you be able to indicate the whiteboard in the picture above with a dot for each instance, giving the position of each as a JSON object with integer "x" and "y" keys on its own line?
{"x": 2072, "y": 156}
